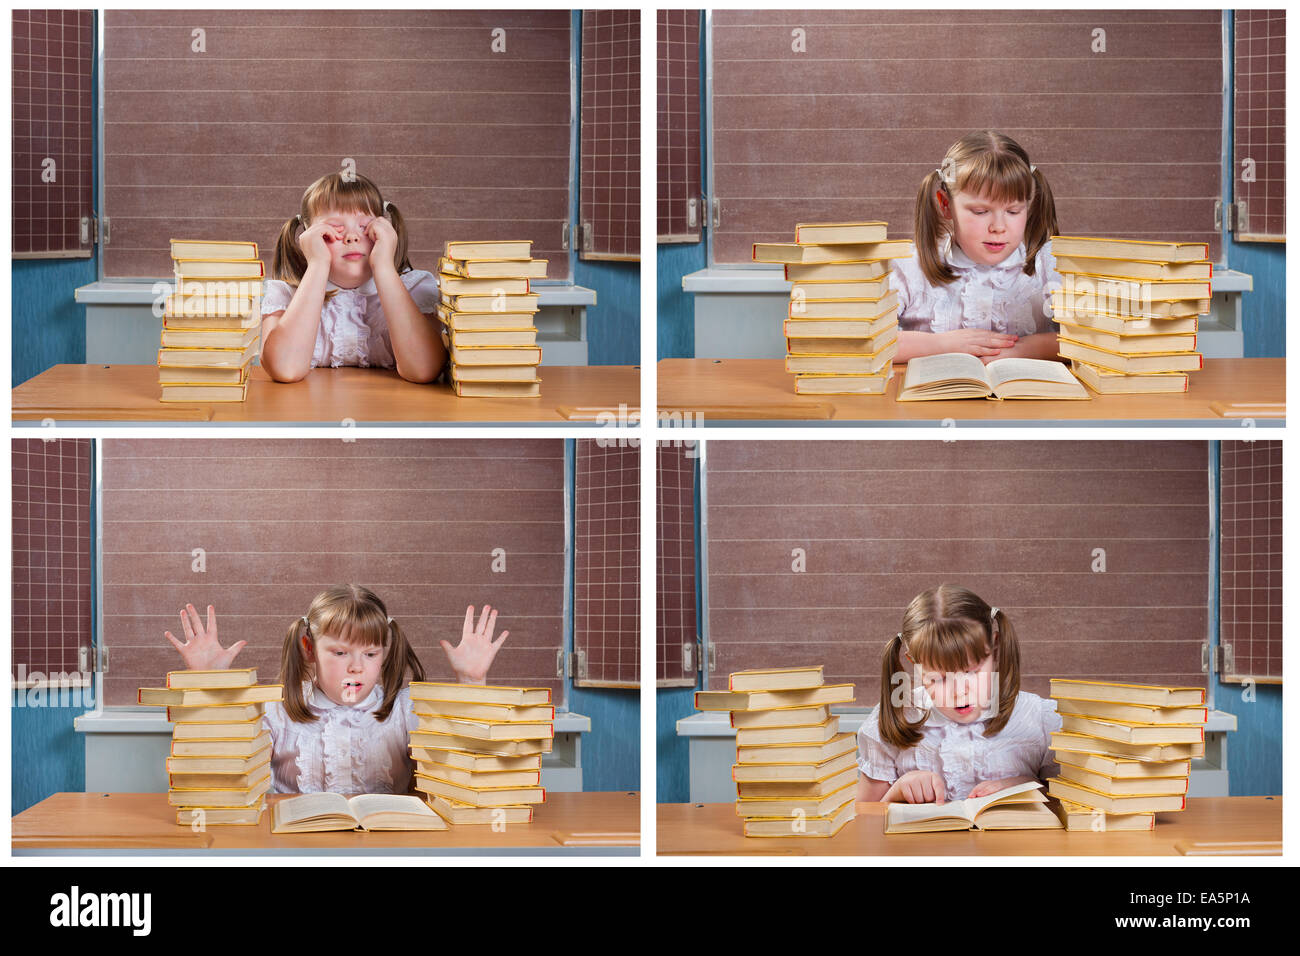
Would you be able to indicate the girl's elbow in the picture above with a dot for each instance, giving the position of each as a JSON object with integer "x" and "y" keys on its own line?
{"x": 285, "y": 373}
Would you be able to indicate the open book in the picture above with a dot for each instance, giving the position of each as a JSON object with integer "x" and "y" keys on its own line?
{"x": 313, "y": 812}
{"x": 1022, "y": 807}
{"x": 959, "y": 375}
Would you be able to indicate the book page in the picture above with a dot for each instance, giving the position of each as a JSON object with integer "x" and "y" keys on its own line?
{"x": 1016, "y": 369}
{"x": 368, "y": 804}
{"x": 902, "y": 813}
{"x": 311, "y": 805}
{"x": 976, "y": 804}
{"x": 949, "y": 366}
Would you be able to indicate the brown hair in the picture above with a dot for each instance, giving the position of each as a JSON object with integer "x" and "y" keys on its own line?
{"x": 983, "y": 163}
{"x": 947, "y": 628}
{"x": 334, "y": 193}
{"x": 353, "y": 614}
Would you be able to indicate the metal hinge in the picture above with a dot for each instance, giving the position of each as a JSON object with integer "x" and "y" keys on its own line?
{"x": 588, "y": 237}
{"x": 688, "y": 656}
{"x": 1217, "y": 659}
{"x": 717, "y": 213}
{"x": 564, "y": 238}
{"x": 105, "y": 231}
{"x": 578, "y": 665}
{"x": 692, "y": 216}
{"x": 1235, "y": 215}
{"x": 707, "y": 656}
{"x": 84, "y": 655}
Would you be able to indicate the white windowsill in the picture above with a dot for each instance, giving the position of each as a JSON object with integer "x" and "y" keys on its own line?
{"x": 141, "y": 292}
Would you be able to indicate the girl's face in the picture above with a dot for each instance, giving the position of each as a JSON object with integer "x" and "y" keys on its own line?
{"x": 987, "y": 231}
{"x": 349, "y": 246}
{"x": 965, "y": 696}
{"x": 345, "y": 673}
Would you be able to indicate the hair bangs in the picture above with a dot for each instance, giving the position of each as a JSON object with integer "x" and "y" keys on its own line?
{"x": 334, "y": 193}
{"x": 998, "y": 175}
{"x": 353, "y": 622}
{"x": 950, "y": 645}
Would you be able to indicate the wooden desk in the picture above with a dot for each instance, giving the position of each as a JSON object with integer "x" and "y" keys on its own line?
{"x": 761, "y": 390}
{"x": 714, "y": 828}
{"x": 571, "y": 395}
{"x": 142, "y": 824}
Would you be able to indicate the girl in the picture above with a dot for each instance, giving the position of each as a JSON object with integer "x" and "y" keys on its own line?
{"x": 345, "y": 667}
{"x": 954, "y": 723}
{"x": 344, "y": 292}
{"x": 983, "y": 272}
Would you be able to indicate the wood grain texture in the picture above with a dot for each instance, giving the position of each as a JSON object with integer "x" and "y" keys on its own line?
{"x": 846, "y": 127}
{"x": 816, "y": 548}
{"x": 465, "y": 141}
{"x": 416, "y": 521}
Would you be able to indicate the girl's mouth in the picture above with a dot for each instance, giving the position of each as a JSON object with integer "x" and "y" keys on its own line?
{"x": 995, "y": 246}
{"x": 354, "y": 255}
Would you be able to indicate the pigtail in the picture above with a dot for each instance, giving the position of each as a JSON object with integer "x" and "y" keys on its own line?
{"x": 289, "y": 264}
{"x": 293, "y": 671}
{"x": 894, "y": 680}
{"x": 399, "y": 661}
{"x": 1007, "y": 648}
{"x": 1040, "y": 225}
{"x": 399, "y": 226}
{"x": 929, "y": 231}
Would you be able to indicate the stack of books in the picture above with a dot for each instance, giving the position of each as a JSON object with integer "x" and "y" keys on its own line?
{"x": 487, "y": 306}
{"x": 796, "y": 774}
{"x": 220, "y": 765}
{"x": 842, "y": 325}
{"x": 478, "y": 750}
{"x": 1125, "y": 752}
{"x": 1128, "y": 311}
{"x": 211, "y": 323}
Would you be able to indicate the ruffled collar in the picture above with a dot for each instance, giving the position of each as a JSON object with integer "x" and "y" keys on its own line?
{"x": 922, "y": 704}
{"x": 366, "y": 288}
{"x": 321, "y": 705}
{"x": 958, "y": 260}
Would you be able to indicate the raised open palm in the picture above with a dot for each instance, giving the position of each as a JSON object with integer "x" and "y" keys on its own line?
{"x": 476, "y": 651}
{"x": 201, "y": 650}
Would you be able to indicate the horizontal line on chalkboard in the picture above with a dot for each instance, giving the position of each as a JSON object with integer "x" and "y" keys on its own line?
{"x": 942, "y": 129}
{"x": 205, "y": 58}
{"x": 833, "y": 574}
{"x": 1063, "y": 162}
{"x": 804, "y": 58}
{"x": 211, "y": 186}
{"x": 253, "y": 122}
{"x": 1039, "y": 93}
{"x": 277, "y": 552}
{"x": 301, "y": 155}
{"x": 335, "y": 521}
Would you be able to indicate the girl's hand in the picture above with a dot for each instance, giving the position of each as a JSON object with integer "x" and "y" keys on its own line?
{"x": 314, "y": 242}
{"x": 384, "y": 236}
{"x": 201, "y": 650}
{"x": 993, "y": 786}
{"x": 917, "y": 786}
{"x": 472, "y": 658}
{"x": 981, "y": 342}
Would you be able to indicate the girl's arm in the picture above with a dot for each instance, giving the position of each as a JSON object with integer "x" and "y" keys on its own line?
{"x": 201, "y": 650}
{"x": 1040, "y": 345}
{"x": 993, "y": 786}
{"x": 870, "y": 791}
{"x": 417, "y": 346}
{"x": 476, "y": 651}
{"x": 289, "y": 337}
{"x": 987, "y": 344}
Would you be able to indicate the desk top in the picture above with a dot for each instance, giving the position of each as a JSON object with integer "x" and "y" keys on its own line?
{"x": 758, "y": 390}
{"x": 571, "y": 395}
{"x": 126, "y": 823}
{"x": 1221, "y": 826}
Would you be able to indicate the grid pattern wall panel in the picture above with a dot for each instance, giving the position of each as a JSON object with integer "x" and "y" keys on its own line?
{"x": 419, "y": 522}
{"x": 52, "y": 596}
{"x": 675, "y": 660}
{"x": 462, "y": 119}
{"x": 1250, "y": 558}
{"x": 611, "y": 134}
{"x": 835, "y": 115}
{"x": 53, "y": 151}
{"x": 607, "y": 564}
{"x": 1097, "y": 551}
{"x": 678, "y": 109}
{"x": 1259, "y": 121}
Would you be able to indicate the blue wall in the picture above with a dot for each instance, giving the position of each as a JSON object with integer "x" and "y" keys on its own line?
{"x": 611, "y": 753}
{"x": 614, "y": 325}
{"x": 672, "y": 753}
{"x": 675, "y": 309}
{"x": 49, "y": 328}
{"x": 47, "y": 755}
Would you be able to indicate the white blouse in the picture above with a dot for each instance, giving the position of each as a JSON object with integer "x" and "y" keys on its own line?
{"x": 353, "y": 329}
{"x": 1000, "y": 298}
{"x": 961, "y": 753}
{"x": 345, "y": 750}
